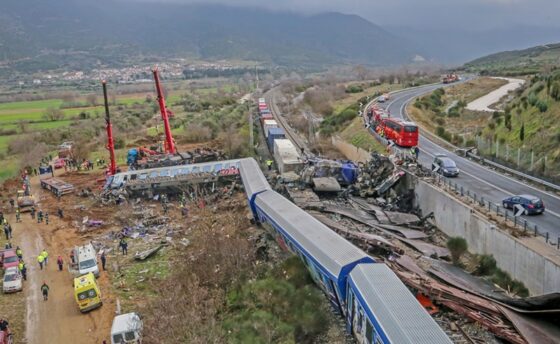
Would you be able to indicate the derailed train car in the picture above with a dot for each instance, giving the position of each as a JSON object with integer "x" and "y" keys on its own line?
{"x": 377, "y": 306}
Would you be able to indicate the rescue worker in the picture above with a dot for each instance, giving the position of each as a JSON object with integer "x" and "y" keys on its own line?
{"x": 24, "y": 271}
{"x": 416, "y": 152}
{"x": 45, "y": 256}
{"x": 45, "y": 290}
{"x": 18, "y": 216}
{"x": 40, "y": 216}
{"x": 103, "y": 260}
{"x": 269, "y": 164}
{"x": 3, "y": 325}
{"x": 10, "y": 231}
{"x": 19, "y": 252}
{"x": 12, "y": 203}
{"x": 59, "y": 262}
{"x": 8, "y": 245}
{"x": 32, "y": 213}
{"x": 60, "y": 213}
{"x": 6, "y": 232}
{"x": 72, "y": 258}
{"x": 124, "y": 246}
{"x": 46, "y": 218}
{"x": 40, "y": 260}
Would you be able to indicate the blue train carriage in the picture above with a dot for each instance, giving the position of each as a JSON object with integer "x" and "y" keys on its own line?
{"x": 327, "y": 256}
{"x": 253, "y": 180}
{"x": 381, "y": 310}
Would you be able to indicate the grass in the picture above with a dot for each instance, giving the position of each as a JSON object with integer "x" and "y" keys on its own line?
{"x": 353, "y": 97}
{"x": 356, "y": 134}
{"x": 468, "y": 122}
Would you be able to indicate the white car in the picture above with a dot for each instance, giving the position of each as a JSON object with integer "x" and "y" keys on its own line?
{"x": 12, "y": 280}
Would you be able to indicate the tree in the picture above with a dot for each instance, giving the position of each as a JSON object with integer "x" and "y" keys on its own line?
{"x": 522, "y": 133}
{"x": 53, "y": 114}
{"x": 457, "y": 247}
{"x": 91, "y": 99}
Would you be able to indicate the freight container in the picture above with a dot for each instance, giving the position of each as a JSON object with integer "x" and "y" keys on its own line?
{"x": 267, "y": 124}
{"x": 264, "y": 111}
{"x": 266, "y": 117}
{"x": 286, "y": 156}
{"x": 274, "y": 134}
{"x": 262, "y": 100}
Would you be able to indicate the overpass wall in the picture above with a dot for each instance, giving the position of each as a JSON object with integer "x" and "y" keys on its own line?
{"x": 540, "y": 274}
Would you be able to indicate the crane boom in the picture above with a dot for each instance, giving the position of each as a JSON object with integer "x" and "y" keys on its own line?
{"x": 169, "y": 143}
{"x": 110, "y": 143}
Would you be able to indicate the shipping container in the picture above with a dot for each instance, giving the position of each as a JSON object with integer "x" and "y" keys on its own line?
{"x": 286, "y": 156}
{"x": 274, "y": 134}
{"x": 266, "y": 117}
{"x": 267, "y": 124}
{"x": 262, "y": 100}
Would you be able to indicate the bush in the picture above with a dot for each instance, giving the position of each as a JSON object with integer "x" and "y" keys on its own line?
{"x": 440, "y": 131}
{"x": 119, "y": 143}
{"x": 542, "y": 106}
{"x": 486, "y": 265}
{"x": 354, "y": 89}
{"x": 457, "y": 247}
{"x": 440, "y": 121}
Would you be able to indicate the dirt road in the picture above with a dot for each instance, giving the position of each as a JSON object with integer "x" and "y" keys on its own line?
{"x": 483, "y": 103}
{"x": 57, "y": 320}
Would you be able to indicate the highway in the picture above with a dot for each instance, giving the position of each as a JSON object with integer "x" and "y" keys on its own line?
{"x": 487, "y": 183}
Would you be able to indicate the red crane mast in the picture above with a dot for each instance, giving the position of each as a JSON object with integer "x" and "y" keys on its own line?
{"x": 169, "y": 143}
{"x": 110, "y": 143}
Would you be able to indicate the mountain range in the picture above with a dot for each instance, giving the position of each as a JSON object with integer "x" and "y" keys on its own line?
{"x": 39, "y": 34}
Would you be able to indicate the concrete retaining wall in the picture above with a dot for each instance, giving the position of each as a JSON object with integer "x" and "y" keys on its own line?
{"x": 539, "y": 273}
{"x": 350, "y": 151}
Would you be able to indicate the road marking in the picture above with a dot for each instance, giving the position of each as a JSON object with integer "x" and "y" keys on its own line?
{"x": 468, "y": 162}
{"x": 492, "y": 185}
{"x": 520, "y": 210}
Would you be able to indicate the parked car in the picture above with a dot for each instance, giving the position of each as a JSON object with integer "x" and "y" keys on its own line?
{"x": 12, "y": 280}
{"x": 59, "y": 163}
{"x": 8, "y": 259}
{"x": 445, "y": 165}
{"x": 531, "y": 204}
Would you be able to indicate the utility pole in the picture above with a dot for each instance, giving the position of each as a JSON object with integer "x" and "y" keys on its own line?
{"x": 251, "y": 139}
{"x": 257, "y": 75}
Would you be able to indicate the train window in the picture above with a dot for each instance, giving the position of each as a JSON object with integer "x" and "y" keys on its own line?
{"x": 378, "y": 339}
{"x": 143, "y": 176}
{"x": 207, "y": 168}
{"x": 133, "y": 177}
{"x": 369, "y": 331}
{"x": 195, "y": 169}
{"x": 226, "y": 165}
{"x": 217, "y": 167}
{"x": 360, "y": 318}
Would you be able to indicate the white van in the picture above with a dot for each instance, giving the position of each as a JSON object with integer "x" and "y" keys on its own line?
{"x": 86, "y": 260}
{"x": 126, "y": 329}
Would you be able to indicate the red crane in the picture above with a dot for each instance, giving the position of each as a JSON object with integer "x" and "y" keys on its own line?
{"x": 169, "y": 143}
{"x": 110, "y": 143}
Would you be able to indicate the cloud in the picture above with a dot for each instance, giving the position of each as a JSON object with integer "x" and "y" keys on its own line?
{"x": 465, "y": 14}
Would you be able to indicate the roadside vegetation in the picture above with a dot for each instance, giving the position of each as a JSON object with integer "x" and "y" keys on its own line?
{"x": 443, "y": 111}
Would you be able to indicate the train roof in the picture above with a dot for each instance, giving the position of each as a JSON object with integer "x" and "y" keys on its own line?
{"x": 252, "y": 177}
{"x": 396, "y": 310}
{"x": 329, "y": 249}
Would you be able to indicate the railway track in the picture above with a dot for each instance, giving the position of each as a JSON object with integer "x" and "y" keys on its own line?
{"x": 270, "y": 97}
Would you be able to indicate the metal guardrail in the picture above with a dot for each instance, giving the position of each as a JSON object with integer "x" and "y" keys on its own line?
{"x": 482, "y": 160}
{"x": 520, "y": 223}
{"x": 522, "y": 175}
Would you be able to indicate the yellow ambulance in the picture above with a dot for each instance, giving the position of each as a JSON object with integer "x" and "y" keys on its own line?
{"x": 86, "y": 292}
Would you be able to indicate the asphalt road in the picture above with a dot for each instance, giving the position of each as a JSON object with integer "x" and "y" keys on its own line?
{"x": 493, "y": 186}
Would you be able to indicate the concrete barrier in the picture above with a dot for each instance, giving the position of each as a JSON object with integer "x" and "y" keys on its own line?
{"x": 526, "y": 260}
{"x": 350, "y": 151}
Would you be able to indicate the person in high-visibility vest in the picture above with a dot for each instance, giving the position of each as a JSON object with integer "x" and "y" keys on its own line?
{"x": 41, "y": 260}
{"x": 45, "y": 256}
{"x": 269, "y": 164}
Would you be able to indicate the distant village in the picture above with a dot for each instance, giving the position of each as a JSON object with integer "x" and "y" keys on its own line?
{"x": 127, "y": 75}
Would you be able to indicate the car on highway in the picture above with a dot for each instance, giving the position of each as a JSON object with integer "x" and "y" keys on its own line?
{"x": 532, "y": 204}
{"x": 8, "y": 259}
{"x": 12, "y": 280}
{"x": 445, "y": 165}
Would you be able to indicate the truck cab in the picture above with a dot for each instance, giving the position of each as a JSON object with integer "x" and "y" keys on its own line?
{"x": 126, "y": 329}
{"x": 87, "y": 293}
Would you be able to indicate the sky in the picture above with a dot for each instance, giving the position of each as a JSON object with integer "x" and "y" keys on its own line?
{"x": 472, "y": 15}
